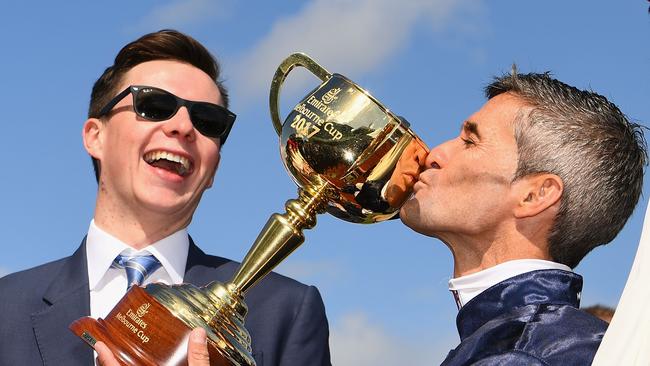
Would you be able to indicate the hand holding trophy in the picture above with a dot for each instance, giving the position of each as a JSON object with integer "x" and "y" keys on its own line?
{"x": 349, "y": 155}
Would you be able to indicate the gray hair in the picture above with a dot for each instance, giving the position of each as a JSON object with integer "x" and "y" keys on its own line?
{"x": 591, "y": 145}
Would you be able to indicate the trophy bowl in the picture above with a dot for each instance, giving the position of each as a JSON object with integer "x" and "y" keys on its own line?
{"x": 341, "y": 137}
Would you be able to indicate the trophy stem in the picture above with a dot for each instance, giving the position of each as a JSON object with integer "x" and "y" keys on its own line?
{"x": 281, "y": 235}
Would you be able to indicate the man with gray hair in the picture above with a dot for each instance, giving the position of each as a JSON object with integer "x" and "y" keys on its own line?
{"x": 538, "y": 177}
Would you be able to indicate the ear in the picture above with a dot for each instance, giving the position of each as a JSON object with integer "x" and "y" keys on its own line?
{"x": 214, "y": 173}
{"x": 536, "y": 193}
{"x": 92, "y": 135}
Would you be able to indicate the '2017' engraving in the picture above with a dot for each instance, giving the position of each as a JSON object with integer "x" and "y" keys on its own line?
{"x": 303, "y": 127}
{"x": 307, "y": 129}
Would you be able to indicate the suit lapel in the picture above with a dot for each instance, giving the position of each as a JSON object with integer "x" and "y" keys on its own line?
{"x": 67, "y": 299}
{"x": 202, "y": 269}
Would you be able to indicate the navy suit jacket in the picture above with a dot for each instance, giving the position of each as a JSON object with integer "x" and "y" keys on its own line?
{"x": 530, "y": 319}
{"x": 286, "y": 319}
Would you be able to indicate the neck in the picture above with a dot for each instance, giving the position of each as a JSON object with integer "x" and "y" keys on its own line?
{"x": 137, "y": 229}
{"x": 472, "y": 255}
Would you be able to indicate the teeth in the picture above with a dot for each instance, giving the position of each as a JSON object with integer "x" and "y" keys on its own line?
{"x": 159, "y": 155}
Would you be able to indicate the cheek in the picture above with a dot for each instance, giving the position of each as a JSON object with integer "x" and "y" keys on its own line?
{"x": 481, "y": 177}
{"x": 507, "y": 168}
{"x": 124, "y": 135}
{"x": 117, "y": 148}
{"x": 507, "y": 161}
{"x": 210, "y": 155}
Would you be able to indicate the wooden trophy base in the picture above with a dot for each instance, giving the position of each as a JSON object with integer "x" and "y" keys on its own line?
{"x": 141, "y": 331}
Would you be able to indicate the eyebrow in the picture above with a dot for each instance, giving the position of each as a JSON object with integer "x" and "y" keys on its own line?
{"x": 471, "y": 128}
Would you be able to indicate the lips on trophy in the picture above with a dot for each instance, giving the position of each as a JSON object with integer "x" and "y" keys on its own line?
{"x": 349, "y": 155}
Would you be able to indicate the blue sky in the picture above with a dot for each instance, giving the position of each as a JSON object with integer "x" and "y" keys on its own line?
{"x": 385, "y": 287}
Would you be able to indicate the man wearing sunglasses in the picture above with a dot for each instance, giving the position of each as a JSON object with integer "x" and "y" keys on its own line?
{"x": 539, "y": 176}
{"x": 158, "y": 118}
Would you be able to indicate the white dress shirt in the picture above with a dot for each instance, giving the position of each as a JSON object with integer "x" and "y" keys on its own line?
{"x": 108, "y": 285}
{"x": 467, "y": 287}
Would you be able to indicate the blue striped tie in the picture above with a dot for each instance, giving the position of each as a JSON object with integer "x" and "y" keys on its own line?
{"x": 137, "y": 267}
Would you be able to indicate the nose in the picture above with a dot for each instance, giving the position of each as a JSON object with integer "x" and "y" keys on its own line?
{"x": 180, "y": 125}
{"x": 439, "y": 155}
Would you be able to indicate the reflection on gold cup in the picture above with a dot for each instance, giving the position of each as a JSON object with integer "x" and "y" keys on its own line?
{"x": 405, "y": 174}
{"x": 349, "y": 155}
{"x": 341, "y": 138}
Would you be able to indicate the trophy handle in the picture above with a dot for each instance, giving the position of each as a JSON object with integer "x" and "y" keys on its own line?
{"x": 296, "y": 59}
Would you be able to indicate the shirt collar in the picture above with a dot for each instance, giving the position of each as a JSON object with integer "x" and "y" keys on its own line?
{"x": 465, "y": 288}
{"x": 546, "y": 286}
{"x": 102, "y": 248}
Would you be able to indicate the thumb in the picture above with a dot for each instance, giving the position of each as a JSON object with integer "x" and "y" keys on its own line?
{"x": 104, "y": 355}
{"x": 197, "y": 348}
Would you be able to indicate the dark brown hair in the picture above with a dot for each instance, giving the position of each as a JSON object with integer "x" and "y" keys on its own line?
{"x": 166, "y": 44}
{"x": 591, "y": 145}
{"x": 602, "y": 312}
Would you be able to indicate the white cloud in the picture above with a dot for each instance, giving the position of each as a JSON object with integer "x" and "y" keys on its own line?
{"x": 356, "y": 340}
{"x": 346, "y": 36}
{"x": 4, "y": 271}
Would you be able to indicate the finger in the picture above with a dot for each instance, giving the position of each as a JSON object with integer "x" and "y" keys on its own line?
{"x": 197, "y": 348}
{"x": 104, "y": 355}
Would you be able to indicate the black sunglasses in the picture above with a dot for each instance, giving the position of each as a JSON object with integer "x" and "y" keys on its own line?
{"x": 156, "y": 105}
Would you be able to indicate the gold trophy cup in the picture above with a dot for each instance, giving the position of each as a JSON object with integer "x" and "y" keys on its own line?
{"x": 349, "y": 155}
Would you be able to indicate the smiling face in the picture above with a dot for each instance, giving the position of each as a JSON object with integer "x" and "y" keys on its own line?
{"x": 153, "y": 171}
{"x": 466, "y": 189}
